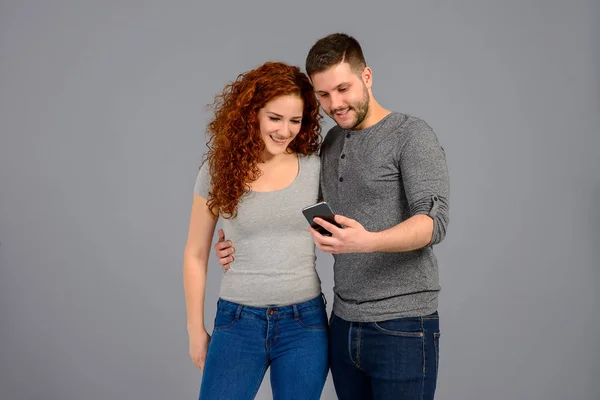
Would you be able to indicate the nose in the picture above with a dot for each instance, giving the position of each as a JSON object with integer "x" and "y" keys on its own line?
{"x": 336, "y": 101}
{"x": 285, "y": 129}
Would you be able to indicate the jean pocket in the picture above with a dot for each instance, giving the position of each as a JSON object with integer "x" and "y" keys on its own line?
{"x": 314, "y": 320}
{"x": 224, "y": 320}
{"x": 406, "y": 327}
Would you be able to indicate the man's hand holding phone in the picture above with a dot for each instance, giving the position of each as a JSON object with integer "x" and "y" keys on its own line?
{"x": 352, "y": 238}
{"x": 337, "y": 234}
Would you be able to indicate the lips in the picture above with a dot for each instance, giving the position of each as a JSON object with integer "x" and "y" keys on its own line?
{"x": 277, "y": 140}
{"x": 342, "y": 113}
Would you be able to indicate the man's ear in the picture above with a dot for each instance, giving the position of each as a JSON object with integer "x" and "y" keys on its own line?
{"x": 367, "y": 76}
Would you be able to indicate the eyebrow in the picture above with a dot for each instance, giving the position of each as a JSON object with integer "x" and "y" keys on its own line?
{"x": 281, "y": 116}
{"x": 337, "y": 87}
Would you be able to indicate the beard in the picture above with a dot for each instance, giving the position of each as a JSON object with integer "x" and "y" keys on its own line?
{"x": 361, "y": 108}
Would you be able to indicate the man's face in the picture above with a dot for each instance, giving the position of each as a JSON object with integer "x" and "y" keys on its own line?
{"x": 343, "y": 94}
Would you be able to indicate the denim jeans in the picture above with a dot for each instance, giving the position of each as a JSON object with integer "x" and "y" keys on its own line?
{"x": 394, "y": 359}
{"x": 291, "y": 340}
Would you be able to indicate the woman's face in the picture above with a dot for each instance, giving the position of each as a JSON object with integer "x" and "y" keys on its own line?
{"x": 280, "y": 121}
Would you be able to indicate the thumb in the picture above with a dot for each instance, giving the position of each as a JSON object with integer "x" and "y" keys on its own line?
{"x": 221, "y": 235}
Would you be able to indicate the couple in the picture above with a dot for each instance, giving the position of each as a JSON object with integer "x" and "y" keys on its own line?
{"x": 384, "y": 175}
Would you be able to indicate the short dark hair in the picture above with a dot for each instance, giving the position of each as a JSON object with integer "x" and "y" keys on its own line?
{"x": 332, "y": 50}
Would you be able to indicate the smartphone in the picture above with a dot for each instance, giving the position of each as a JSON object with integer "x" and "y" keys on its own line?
{"x": 323, "y": 211}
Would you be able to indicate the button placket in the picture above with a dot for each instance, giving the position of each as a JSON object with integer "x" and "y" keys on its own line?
{"x": 342, "y": 157}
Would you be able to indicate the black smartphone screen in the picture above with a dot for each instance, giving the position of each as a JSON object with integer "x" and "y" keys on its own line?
{"x": 323, "y": 211}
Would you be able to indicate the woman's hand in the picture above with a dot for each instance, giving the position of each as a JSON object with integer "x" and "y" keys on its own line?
{"x": 198, "y": 347}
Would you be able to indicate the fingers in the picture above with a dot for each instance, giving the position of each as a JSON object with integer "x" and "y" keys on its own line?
{"x": 330, "y": 227}
{"x": 225, "y": 256}
{"x": 223, "y": 249}
{"x": 224, "y": 252}
{"x": 344, "y": 221}
{"x": 321, "y": 239}
{"x": 198, "y": 356}
{"x": 324, "y": 243}
{"x": 222, "y": 245}
{"x": 199, "y": 361}
{"x": 225, "y": 262}
{"x": 328, "y": 249}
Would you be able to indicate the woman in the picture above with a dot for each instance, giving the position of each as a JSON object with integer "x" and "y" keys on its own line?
{"x": 260, "y": 171}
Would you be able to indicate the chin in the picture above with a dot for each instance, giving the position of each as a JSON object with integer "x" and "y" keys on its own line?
{"x": 346, "y": 124}
{"x": 275, "y": 152}
{"x": 349, "y": 124}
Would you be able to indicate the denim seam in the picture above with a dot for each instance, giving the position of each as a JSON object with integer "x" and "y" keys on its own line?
{"x": 312, "y": 328}
{"x": 223, "y": 328}
{"x": 274, "y": 316}
{"x": 245, "y": 315}
{"x": 350, "y": 344}
{"x": 309, "y": 310}
{"x": 436, "y": 338}
{"x": 398, "y": 333}
{"x": 358, "y": 345}
{"x": 424, "y": 362}
{"x": 267, "y": 337}
{"x": 249, "y": 313}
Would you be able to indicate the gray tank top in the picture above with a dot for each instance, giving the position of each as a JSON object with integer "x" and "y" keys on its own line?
{"x": 274, "y": 251}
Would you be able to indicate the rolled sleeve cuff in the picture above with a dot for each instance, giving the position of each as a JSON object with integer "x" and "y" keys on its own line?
{"x": 437, "y": 208}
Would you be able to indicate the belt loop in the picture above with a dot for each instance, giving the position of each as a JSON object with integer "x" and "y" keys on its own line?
{"x": 238, "y": 312}
{"x": 296, "y": 312}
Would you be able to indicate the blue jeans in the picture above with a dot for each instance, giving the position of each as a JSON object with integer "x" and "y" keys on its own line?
{"x": 291, "y": 340}
{"x": 394, "y": 359}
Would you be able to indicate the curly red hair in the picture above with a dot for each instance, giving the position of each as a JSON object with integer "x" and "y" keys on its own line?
{"x": 235, "y": 144}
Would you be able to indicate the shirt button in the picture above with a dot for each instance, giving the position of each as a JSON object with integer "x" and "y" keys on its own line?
{"x": 343, "y": 156}
{"x": 341, "y": 179}
{"x": 347, "y": 135}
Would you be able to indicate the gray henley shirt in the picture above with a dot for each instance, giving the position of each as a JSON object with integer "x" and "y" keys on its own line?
{"x": 381, "y": 176}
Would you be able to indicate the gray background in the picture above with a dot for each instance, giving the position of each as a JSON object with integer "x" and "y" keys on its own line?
{"x": 102, "y": 113}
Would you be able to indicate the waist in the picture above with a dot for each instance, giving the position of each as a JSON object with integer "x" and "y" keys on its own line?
{"x": 402, "y": 306}
{"x": 270, "y": 312}
{"x": 273, "y": 286}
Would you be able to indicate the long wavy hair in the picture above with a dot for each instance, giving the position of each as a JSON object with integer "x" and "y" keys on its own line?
{"x": 234, "y": 141}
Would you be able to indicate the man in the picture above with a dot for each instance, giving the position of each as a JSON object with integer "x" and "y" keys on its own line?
{"x": 385, "y": 174}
